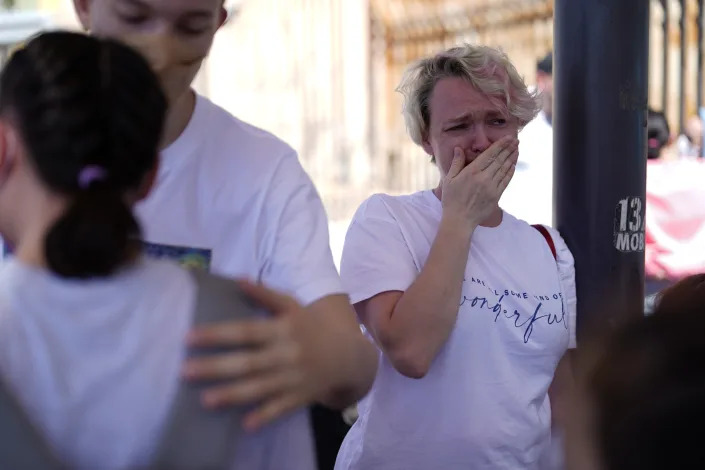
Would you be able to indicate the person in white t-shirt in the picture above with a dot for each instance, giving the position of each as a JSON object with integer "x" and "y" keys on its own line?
{"x": 530, "y": 194}
{"x": 468, "y": 306}
{"x": 235, "y": 199}
{"x": 92, "y": 332}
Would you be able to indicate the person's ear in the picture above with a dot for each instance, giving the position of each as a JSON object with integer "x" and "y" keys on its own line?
{"x": 8, "y": 149}
{"x": 426, "y": 145}
{"x": 83, "y": 12}
{"x": 222, "y": 16}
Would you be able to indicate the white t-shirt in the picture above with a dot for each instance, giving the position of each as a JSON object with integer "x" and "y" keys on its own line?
{"x": 95, "y": 364}
{"x": 484, "y": 402}
{"x": 529, "y": 195}
{"x": 235, "y": 198}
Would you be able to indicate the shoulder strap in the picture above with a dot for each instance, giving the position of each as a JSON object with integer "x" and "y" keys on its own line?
{"x": 195, "y": 437}
{"x": 543, "y": 231}
{"x": 21, "y": 446}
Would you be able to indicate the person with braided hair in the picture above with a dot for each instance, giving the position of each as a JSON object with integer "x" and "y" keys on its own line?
{"x": 92, "y": 330}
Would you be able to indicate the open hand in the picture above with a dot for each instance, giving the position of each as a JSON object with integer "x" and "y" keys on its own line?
{"x": 471, "y": 192}
{"x": 280, "y": 367}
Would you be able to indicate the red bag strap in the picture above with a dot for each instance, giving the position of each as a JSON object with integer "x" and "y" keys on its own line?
{"x": 543, "y": 231}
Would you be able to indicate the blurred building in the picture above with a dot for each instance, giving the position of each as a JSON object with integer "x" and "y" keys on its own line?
{"x": 321, "y": 74}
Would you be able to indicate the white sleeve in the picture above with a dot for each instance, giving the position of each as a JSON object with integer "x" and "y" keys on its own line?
{"x": 566, "y": 277}
{"x": 376, "y": 257}
{"x": 299, "y": 260}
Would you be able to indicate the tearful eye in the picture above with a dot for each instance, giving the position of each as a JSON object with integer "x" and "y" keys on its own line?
{"x": 458, "y": 127}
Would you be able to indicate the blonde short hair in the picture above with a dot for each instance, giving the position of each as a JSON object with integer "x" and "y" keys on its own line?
{"x": 487, "y": 69}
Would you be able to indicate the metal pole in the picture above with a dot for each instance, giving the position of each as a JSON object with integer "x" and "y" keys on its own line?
{"x": 664, "y": 71}
{"x": 600, "y": 85}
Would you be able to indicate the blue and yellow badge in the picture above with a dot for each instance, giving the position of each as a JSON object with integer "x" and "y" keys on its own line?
{"x": 188, "y": 257}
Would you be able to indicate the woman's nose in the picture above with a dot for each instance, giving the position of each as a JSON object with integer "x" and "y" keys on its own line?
{"x": 479, "y": 139}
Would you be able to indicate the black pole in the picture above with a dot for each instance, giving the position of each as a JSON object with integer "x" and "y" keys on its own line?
{"x": 681, "y": 86}
{"x": 601, "y": 84}
{"x": 664, "y": 71}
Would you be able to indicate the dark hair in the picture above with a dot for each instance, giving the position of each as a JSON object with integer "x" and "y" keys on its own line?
{"x": 649, "y": 385}
{"x": 545, "y": 64}
{"x": 84, "y": 102}
{"x": 658, "y": 133}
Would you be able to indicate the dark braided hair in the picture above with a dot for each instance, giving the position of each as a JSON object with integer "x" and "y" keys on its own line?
{"x": 85, "y": 102}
